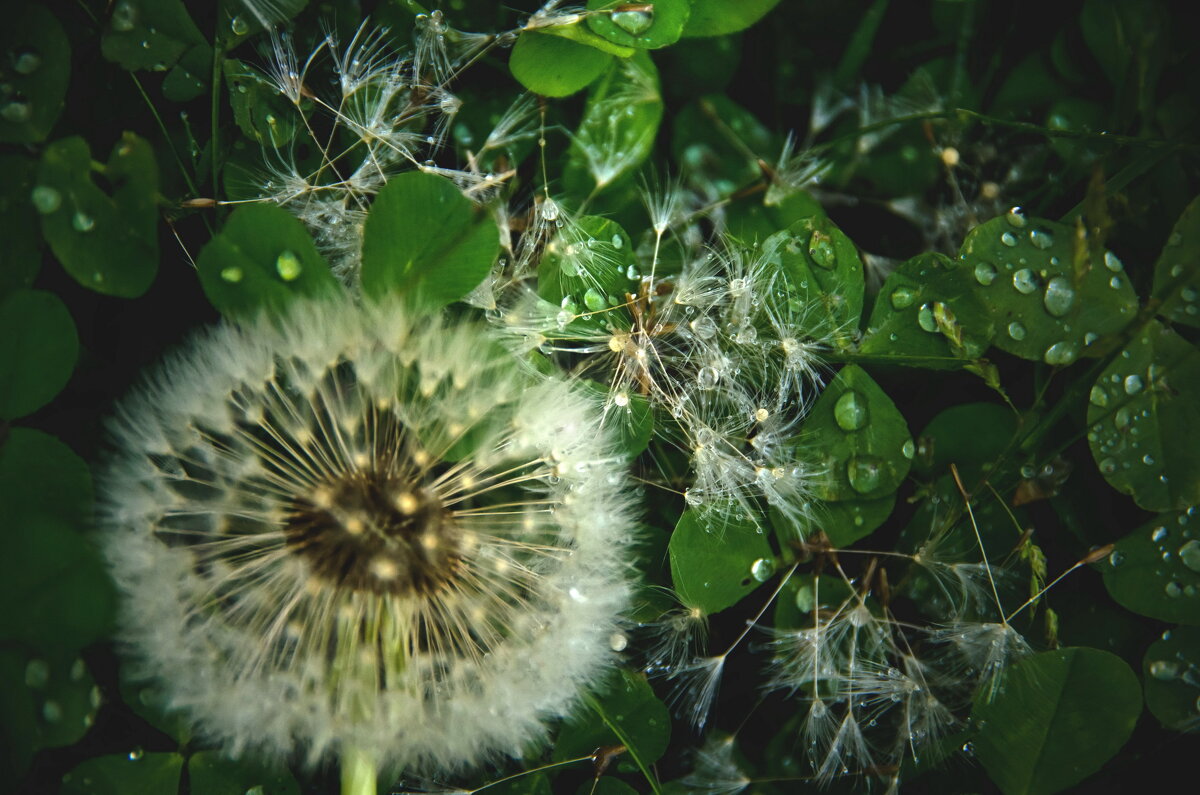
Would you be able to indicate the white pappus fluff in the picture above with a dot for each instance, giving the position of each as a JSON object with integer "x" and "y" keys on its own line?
{"x": 356, "y": 530}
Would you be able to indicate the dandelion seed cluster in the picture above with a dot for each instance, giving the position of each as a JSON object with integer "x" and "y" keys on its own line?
{"x": 353, "y": 528}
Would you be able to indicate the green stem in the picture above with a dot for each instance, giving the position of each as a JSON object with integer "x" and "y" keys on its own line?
{"x": 358, "y": 772}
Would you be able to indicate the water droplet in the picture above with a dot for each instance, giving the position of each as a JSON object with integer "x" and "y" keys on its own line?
{"x": 37, "y": 674}
{"x": 1059, "y": 296}
{"x": 1025, "y": 281}
{"x": 707, "y": 378}
{"x": 1060, "y": 353}
{"x": 51, "y": 711}
{"x": 1159, "y": 535}
{"x": 1148, "y": 459}
{"x": 238, "y": 26}
{"x": 1008, "y": 239}
{"x": 1015, "y": 217}
{"x": 762, "y": 569}
{"x": 549, "y": 210}
{"x": 1016, "y": 330}
{"x": 1165, "y": 670}
{"x": 1133, "y": 384}
{"x": 1108, "y": 466}
{"x": 45, "y": 199}
{"x": 1173, "y": 589}
{"x": 635, "y": 22}
{"x": 1090, "y": 337}
{"x": 124, "y": 16}
{"x": 985, "y": 273}
{"x": 747, "y": 335}
{"x": 82, "y": 222}
{"x": 617, "y": 641}
{"x": 593, "y": 299}
{"x": 1041, "y": 238}
{"x": 27, "y": 63}
{"x": 1098, "y": 396}
{"x": 903, "y": 297}
{"x": 908, "y": 450}
{"x": 820, "y": 248}
{"x": 617, "y": 241}
{"x": 16, "y": 112}
{"x": 1115, "y": 282}
{"x": 1188, "y": 293}
{"x": 1112, "y": 263}
{"x": 287, "y": 265}
{"x": 1116, "y": 558}
{"x": 232, "y": 274}
{"x": 704, "y": 327}
{"x": 136, "y": 754}
{"x": 865, "y": 473}
{"x": 1189, "y": 554}
{"x": 925, "y": 318}
{"x": 1122, "y": 418}
{"x": 850, "y": 411}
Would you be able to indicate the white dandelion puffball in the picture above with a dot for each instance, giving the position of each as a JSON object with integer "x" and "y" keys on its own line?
{"x": 353, "y": 530}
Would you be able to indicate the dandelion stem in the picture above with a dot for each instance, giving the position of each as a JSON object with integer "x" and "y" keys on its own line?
{"x": 358, "y": 772}
{"x": 982, "y": 552}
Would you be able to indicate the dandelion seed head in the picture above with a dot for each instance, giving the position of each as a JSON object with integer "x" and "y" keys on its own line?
{"x": 321, "y": 546}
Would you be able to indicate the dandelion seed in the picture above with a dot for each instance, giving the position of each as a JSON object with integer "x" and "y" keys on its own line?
{"x": 356, "y": 531}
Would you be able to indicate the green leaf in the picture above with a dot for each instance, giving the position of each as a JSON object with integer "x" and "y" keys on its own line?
{"x": 842, "y": 522}
{"x": 1141, "y": 406}
{"x": 261, "y": 113}
{"x": 1171, "y": 671}
{"x": 928, "y": 315}
{"x": 56, "y": 595}
{"x": 134, "y": 773}
{"x": 1059, "y": 716}
{"x": 718, "y": 17}
{"x": 107, "y": 241}
{"x": 722, "y": 141}
{"x": 824, "y": 277}
{"x": 554, "y": 66}
{"x": 624, "y": 711}
{"x": 190, "y": 77}
{"x": 21, "y": 255}
{"x": 1046, "y": 296}
{"x": 34, "y": 74}
{"x": 423, "y": 236}
{"x": 1177, "y": 272}
{"x": 41, "y": 476}
{"x": 715, "y": 564}
{"x": 240, "y": 20}
{"x": 262, "y": 259}
{"x": 862, "y": 441}
{"x": 753, "y": 221}
{"x": 47, "y": 702}
{"x": 969, "y": 435}
{"x": 213, "y": 773}
{"x": 149, "y": 34}
{"x": 38, "y": 347}
{"x": 618, "y": 128}
{"x": 647, "y": 26}
{"x": 1155, "y": 570}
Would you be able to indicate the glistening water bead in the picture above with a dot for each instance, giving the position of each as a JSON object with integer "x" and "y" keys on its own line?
{"x": 351, "y": 530}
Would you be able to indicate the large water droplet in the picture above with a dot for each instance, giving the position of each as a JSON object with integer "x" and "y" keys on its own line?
{"x": 617, "y": 641}
{"x": 1025, "y": 281}
{"x": 1015, "y": 217}
{"x": 593, "y": 299}
{"x": 1159, "y": 535}
{"x": 903, "y": 297}
{"x": 45, "y": 199}
{"x": 926, "y": 319}
{"x": 1116, "y": 558}
{"x": 1111, "y": 262}
{"x": 124, "y": 16}
{"x": 232, "y": 274}
{"x": 1059, "y": 296}
{"x": 1133, "y": 384}
{"x": 238, "y": 26}
{"x": 1008, "y": 239}
{"x": 820, "y": 248}
{"x": 1041, "y": 238}
{"x": 1060, "y": 353}
{"x": 288, "y": 266}
{"x": 850, "y": 411}
{"x": 1189, "y": 554}
{"x": 82, "y": 222}
{"x": 16, "y": 111}
{"x": 27, "y": 62}
{"x": 908, "y": 450}
{"x": 985, "y": 273}
{"x": 704, "y": 327}
{"x": 865, "y": 473}
{"x": 1173, "y": 589}
{"x": 1016, "y": 330}
{"x": 1165, "y": 670}
{"x": 1098, "y": 397}
{"x": 707, "y": 378}
{"x": 634, "y": 22}
{"x": 762, "y": 569}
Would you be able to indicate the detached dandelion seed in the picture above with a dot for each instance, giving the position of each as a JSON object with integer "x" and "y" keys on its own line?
{"x": 356, "y": 532}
